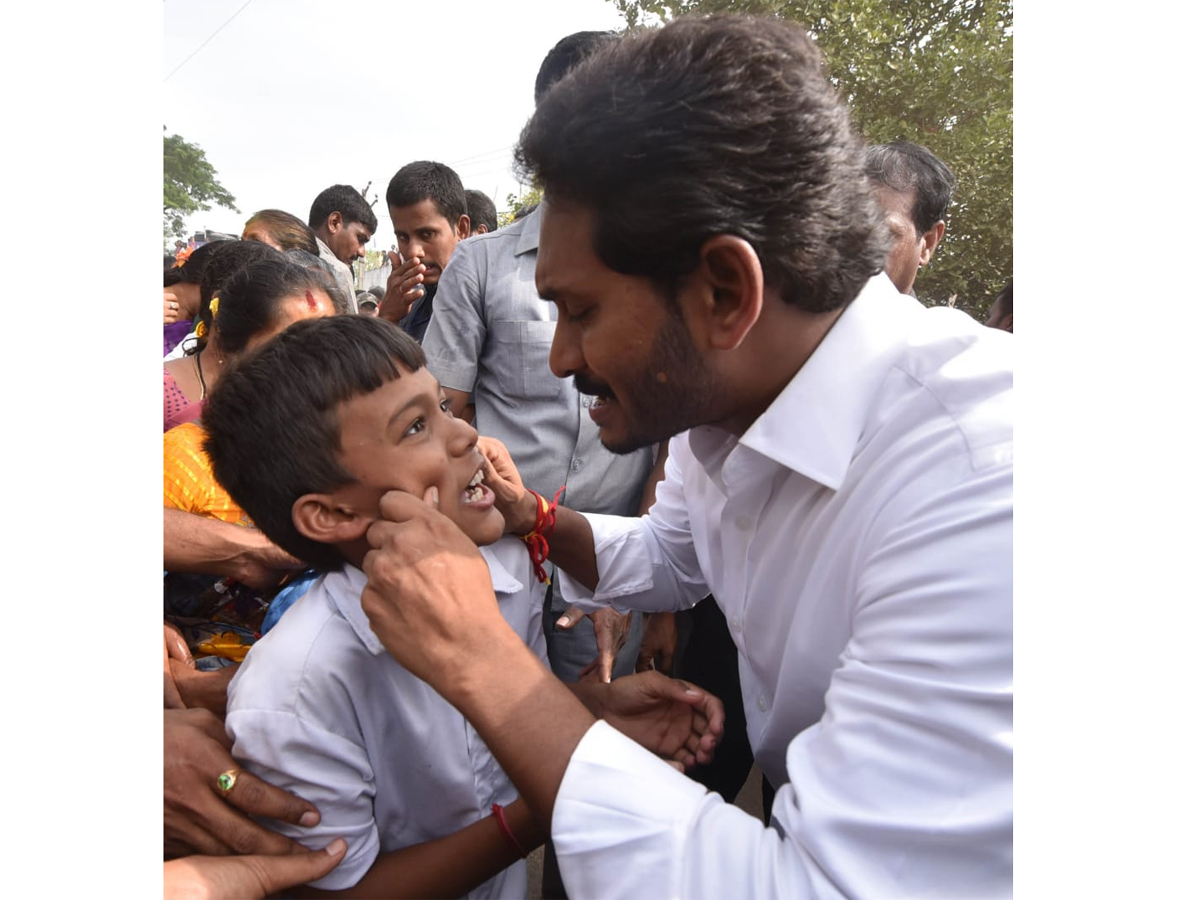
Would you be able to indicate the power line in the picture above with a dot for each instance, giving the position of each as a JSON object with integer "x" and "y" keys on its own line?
{"x": 207, "y": 39}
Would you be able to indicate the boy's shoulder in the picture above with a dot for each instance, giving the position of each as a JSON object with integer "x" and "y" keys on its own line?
{"x": 314, "y": 646}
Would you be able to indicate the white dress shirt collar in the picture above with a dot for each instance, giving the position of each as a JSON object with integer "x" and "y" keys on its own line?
{"x": 834, "y": 396}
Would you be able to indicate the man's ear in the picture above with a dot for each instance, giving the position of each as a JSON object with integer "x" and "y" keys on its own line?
{"x": 463, "y": 227}
{"x": 326, "y": 519}
{"x": 729, "y": 279}
{"x": 929, "y": 241}
{"x": 333, "y": 222}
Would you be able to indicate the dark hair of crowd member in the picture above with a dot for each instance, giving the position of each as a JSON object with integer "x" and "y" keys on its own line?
{"x": 250, "y": 299}
{"x": 192, "y": 270}
{"x": 425, "y": 180}
{"x": 566, "y": 55}
{"x": 324, "y": 269}
{"x": 722, "y": 125}
{"x": 902, "y": 166}
{"x": 482, "y": 210}
{"x": 346, "y": 200}
{"x": 227, "y": 258}
{"x": 272, "y": 421}
{"x": 289, "y": 231}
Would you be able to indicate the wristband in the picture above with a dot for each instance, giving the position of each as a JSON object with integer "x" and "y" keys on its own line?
{"x": 498, "y": 813}
{"x": 539, "y": 549}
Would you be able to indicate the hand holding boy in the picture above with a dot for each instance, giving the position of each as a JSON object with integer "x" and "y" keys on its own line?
{"x": 198, "y": 817}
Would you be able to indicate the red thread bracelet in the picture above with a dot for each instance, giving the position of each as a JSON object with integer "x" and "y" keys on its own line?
{"x": 498, "y": 813}
{"x": 539, "y": 548}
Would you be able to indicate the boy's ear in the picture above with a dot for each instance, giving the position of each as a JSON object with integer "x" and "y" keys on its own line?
{"x": 327, "y": 520}
{"x": 463, "y": 227}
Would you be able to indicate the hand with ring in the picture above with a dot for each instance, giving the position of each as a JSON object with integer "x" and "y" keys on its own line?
{"x": 170, "y": 308}
{"x": 208, "y": 800}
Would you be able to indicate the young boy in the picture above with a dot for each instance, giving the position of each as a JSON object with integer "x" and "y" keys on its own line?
{"x": 428, "y": 207}
{"x": 318, "y": 707}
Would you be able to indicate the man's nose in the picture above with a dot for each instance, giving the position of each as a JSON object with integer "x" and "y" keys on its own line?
{"x": 565, "y": 358}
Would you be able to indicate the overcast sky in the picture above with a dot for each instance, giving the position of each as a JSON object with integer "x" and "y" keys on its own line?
{"x": 292, "y": 96}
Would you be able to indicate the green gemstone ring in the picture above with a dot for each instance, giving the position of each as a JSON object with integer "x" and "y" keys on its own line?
{"x": 226, "y": 781}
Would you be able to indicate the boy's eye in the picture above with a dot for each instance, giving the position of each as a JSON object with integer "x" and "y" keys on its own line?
{"x": 415, "y": 428}
{"x": 445, "y": 406}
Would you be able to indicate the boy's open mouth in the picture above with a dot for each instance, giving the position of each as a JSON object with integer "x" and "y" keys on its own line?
{"x": 475, "y": 491}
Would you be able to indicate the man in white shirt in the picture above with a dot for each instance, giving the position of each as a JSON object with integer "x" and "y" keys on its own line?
{"x": 840, "y": 479}
{"x": 343, "y": 222}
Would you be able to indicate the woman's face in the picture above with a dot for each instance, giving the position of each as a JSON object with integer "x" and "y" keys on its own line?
{"x": 312, "y": 304}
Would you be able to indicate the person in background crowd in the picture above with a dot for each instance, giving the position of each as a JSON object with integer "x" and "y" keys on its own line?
{"x": 429, "y": 213}
{"x": 221, "y": 262}
{"x": 181, "y": 294}
{"x": 1001, "y": 314}
{"x": 343, "y": 222}
{"x": 280, "y": 230}
{"x": 482, "y": 212}
{"x": 367, "y": 305}
{"x": 913, "y": 188}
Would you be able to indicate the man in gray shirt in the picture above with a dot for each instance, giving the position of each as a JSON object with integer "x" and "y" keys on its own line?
{"x": 490, "y": 335}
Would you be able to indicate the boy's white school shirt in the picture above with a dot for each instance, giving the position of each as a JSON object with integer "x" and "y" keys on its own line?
{"x": 320, "y": 709}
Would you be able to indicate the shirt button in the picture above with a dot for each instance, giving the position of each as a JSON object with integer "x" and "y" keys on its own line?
{"x": 576, "y": 465}
{"x": 762, "y": 703}
{"x": 742, "y": 522}
{"x": 735, "y": 624}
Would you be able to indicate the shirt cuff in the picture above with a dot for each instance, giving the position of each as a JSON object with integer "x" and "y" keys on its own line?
{"x": 623, "y": 559}
{"x": 456, "y": 376}
{"x": 617, "y": 804}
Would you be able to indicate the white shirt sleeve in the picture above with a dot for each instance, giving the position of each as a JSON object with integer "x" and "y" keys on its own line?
{"x": 324, "y": 768}
{"x": 902, "y": 789}
{"x": 646, "y": 563}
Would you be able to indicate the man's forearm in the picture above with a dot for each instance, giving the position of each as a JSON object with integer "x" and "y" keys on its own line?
{"x": 532, "y": 725}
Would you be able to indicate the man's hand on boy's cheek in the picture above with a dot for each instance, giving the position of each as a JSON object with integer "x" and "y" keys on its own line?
{"x": 667, "y": 716}
{"x": 516, "y": 504}
{"x": 429, "y": 593}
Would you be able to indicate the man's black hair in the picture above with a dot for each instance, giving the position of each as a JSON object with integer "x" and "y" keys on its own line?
{"x": 425, "y": 180}
{"x": 346, "y": 200}
{"x": 378, "y": 291}
{"x": 273, "y": 429}
{"x": 250, "y": 297}
{"x": 481, "y": 209}
{"x": 903, "y": 166}
{"x": 720, "y": 125}
{"x": 566, "y": 55}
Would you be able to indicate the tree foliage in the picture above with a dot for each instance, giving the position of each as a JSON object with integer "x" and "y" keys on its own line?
{"x": 935, "y": 72}
{"x": 516, "y": 202}
{"x": 189, "y": 184}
